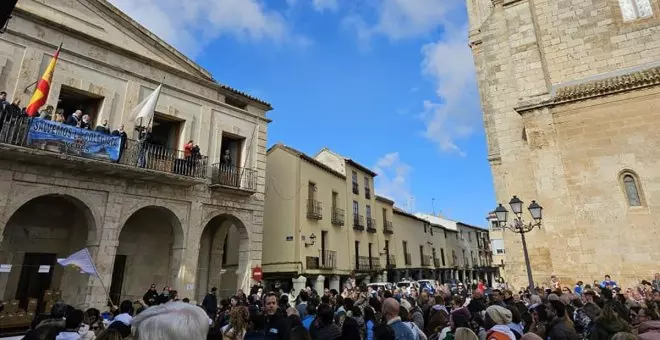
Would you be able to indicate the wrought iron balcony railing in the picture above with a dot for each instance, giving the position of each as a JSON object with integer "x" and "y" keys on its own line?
{"x": 358, "y": 222}
{"x": 391, "y": 261}
{"x": 426, "y": 261}
{"x": 233, "y": 176}
{"x": 367, "y": 264}
{"x": 314, "y": 209}
{"x": 371, "y": 225}
{"x": 327, "y": 259}
{"x": 388, "y": 228}
{"x": 338, "y": 216}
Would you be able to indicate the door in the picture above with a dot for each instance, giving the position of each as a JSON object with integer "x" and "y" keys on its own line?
{"x": 32, "y": 283}
{"x": 324, "y": 243}
{"x": 387, "y": 253}
{"x": 357, "y": 254}
{"x": 117, "y": 279}
{"x": 370, "y": 246}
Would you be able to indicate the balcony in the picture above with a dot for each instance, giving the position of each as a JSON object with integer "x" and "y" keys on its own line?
{"x": 358, "y": 222}
{"x": 391, "y": 262}
{"x": 327, "y": 259}
{"x": 37, "y": 141}
{"x": 356, "y": 188}
{"x": 368, "y": 264}
{"x": 388, "y": 228}
{"x": 314, "y": 209}
{"x": 436, "y": 262}
{"x": 408, "y": 259}
{"x": 371, "y": 225}
{"x": 338, "y": 216}
{"x": 367, "y": 193}
{"x": 426, "y": 261}
{"x": 233, "y": 177}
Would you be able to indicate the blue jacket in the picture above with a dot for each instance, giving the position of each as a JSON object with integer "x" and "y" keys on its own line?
{"x": 307, "y": 321}
{"x": 401, "y": 330}
{"x": 369, "y": 325}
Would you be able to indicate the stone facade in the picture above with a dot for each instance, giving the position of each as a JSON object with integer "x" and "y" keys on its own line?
{"x": 190, "y": 233}
{"x": 568, "y": 96}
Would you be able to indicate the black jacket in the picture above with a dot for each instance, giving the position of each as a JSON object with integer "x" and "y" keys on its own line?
{"x": 210, "y": 303}
{"x": 559, "y": 330}
{"x": 150, "y": 297}
{"x": 277, "y": 327}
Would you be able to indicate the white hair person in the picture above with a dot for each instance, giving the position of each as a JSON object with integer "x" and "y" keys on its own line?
{"x": 171, "y": 321}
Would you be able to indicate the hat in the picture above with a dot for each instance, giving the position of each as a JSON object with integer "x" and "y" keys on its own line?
{"x": 405, "y": 304}
{"x": 499, "y": 315}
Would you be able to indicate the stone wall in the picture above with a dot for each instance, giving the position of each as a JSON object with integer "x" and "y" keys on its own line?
{"x": 109, "y": 204}
{"x": 568, "y": 157}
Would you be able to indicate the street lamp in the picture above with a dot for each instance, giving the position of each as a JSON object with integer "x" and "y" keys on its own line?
{"x": 520, "y": 227}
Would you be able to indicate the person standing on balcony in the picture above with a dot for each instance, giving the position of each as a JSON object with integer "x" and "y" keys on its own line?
{"x": 86, "y": 122}
{"x": 47, "y": 114}
{"x": 3, "y": 102}
{"x": 103, "y": 128}
{"x": 75, "y": 119}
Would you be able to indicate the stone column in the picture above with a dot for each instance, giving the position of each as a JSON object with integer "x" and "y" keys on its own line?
{"x": 367, "y": 279}
{"x": 299, "y": 283}
{"x": 335, "y": 283}
{"x": 319, "y": 285}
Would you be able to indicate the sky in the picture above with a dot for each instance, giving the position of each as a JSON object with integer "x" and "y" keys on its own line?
{"x": 387, "y": 83}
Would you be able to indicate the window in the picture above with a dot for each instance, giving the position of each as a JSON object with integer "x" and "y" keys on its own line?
{"x": 356, "y": 208}
{"x": 356, "y": 189}
{"x": 631, "y": 190}
{"x": 469, "y": 236}
{"x": 425, "y": 228}
{"x": 445, "y": 233}
{"x": 431, "y": 230}
{"x": 368, "y": 211}
{"x": 384, "y": 214}
{"x": 494, "y": 225}
{"x": 335, "y": 196}
{"x": 311, "y": 191}
{"x": 367, "y": 190}
{"x": 499, "y": 251}
{"x": 635, "y": 9}
{"x": 442, "y": 255}
{"x": 237, "y": 103}
{"x": 498, "y": 245}
{"x": 72, "y": 99}
{"x": 231, "y": 150}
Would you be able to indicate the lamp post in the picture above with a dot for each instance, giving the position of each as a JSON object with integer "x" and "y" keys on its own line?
{"x": 520, "y": 227}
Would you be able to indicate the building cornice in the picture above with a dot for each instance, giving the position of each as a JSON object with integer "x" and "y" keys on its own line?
{"x": 384, "y": 200}
{"x": 306, "y": 158}
{"x": 596, "y": 88}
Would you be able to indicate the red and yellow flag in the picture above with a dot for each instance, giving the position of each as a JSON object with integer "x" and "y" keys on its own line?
{"x": 43, "y": 87}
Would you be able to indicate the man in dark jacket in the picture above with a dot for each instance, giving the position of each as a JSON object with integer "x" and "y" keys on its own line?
{"x": 210, "y": 303}
{"x": 558, "y": 329}
{"x": 151, "y": 296}
{"x": 277, "y": 326}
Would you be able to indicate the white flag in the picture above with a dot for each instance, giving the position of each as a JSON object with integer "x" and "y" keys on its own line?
{"x": 147, "y": 107}
{"x": 82, "y": 260}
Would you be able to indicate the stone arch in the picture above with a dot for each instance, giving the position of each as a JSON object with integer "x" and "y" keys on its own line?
{"x": 39, "y": 228}
{"x": 631, "y": 187}
{"x": 150, "y": 248}
{"x": 227, "y": 269}
{"x": 93, "y": 213}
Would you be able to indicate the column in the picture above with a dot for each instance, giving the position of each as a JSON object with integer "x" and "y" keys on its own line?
{"x": 335, "y": 283}
{"x": 319, "y": 285}
{"x": 298, "y": 284}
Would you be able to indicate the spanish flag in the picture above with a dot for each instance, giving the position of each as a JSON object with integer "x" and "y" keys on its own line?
{"x": 43, "y": 87}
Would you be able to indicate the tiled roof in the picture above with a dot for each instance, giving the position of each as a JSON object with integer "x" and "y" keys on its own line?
{"x": 638, "y": 79}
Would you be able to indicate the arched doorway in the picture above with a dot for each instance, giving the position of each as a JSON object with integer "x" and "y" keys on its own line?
{"x": 38, "y": 233}
{"x": 149, "y": 251}
{"x": 224, "y": 257}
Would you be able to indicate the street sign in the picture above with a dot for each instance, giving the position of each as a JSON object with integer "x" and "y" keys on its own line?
{"x": 257, "y": 273}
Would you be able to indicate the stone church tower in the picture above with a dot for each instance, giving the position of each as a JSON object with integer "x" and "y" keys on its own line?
{"x": 571, "y": 103}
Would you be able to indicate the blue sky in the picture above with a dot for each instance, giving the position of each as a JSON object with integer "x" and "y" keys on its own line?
{"x": 389, "y": 83}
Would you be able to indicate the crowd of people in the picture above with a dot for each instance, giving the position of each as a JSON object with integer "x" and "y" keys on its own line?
{"x": 603, "y": 311}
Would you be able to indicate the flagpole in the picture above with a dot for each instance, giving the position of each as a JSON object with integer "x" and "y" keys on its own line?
{"x": 91, "y": 260}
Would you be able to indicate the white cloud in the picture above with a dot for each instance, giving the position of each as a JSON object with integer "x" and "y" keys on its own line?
{"x": 447, "y": 62}
{"x": 190, "y": 25}
{"x": 393, "y": 180}
{"x": 322, "y": 5}
{"x": 454, "y": 116}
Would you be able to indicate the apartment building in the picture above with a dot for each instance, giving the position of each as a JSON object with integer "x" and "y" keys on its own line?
{"x": 147, "y": 211}
{"x": 324, "y": 223}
